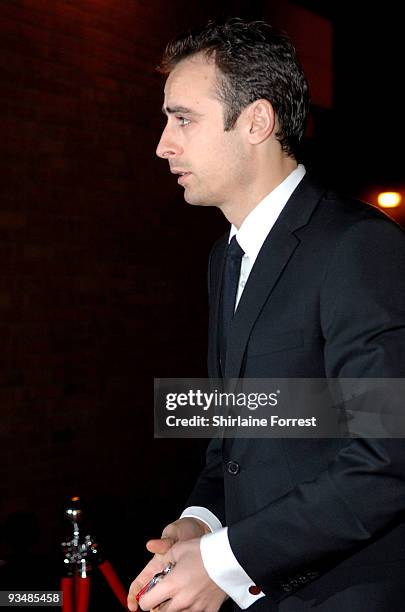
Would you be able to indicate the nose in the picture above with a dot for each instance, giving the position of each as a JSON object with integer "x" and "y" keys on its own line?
{"x": 167, "y": 146}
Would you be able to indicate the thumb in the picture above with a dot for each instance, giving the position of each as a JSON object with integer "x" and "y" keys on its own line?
{"x": 160, "y": 546}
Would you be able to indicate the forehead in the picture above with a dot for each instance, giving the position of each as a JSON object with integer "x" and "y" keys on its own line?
{"x": 193, "y": 80}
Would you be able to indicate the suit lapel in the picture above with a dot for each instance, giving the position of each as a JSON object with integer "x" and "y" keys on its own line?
{"x": 271, "y": 261}
{"x": 274, "y": 255}
{"x": 216, "y": 267}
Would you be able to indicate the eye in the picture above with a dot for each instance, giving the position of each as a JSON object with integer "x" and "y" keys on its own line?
{"x": 183, "y": 121}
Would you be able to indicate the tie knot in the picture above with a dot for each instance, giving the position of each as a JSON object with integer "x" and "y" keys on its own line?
{"x": 235, "y": 251}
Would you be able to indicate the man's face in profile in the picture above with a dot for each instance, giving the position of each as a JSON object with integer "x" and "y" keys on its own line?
{"x": 194, "y": 141}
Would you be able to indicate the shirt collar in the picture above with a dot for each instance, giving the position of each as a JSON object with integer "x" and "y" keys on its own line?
{"x": 255, "y": 228}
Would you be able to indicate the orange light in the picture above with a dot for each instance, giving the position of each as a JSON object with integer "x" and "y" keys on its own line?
{"x": 389, "y": 199}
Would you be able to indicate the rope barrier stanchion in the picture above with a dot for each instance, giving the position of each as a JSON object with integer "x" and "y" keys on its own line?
{"x": 66, "y": 586}
{"x": 81, "y": 556}
{"x": 82, "y": 587}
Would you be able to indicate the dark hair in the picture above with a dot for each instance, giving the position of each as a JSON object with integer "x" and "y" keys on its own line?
{"x": 255, "y": 62}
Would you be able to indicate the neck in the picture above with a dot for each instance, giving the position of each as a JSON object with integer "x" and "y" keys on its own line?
{"x": 264, "y": 183}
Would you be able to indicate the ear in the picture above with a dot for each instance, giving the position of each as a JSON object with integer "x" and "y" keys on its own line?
{"x": 261, "y": 121}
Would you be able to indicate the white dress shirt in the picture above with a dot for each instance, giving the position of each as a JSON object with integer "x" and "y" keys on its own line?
{"x": 219, "y": 561}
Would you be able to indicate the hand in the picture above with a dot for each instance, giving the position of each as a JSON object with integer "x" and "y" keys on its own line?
{"x": 183, "y": 529}
{"x": 186, "y": 528}
{"x": 187, "y": 586}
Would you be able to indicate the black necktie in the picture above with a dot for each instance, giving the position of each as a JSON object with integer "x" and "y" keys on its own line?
{"x": 230, "y": 282}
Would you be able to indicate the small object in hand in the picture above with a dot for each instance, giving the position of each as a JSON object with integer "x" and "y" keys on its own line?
{"x": 156, "y": 578}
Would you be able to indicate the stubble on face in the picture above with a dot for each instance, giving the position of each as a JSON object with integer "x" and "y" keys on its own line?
{"x": 216, "y": 159}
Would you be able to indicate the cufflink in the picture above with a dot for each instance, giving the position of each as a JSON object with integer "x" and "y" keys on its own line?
{"x": 254, "y": 590}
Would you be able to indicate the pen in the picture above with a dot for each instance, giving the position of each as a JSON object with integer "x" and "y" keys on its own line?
{"x": 156, "y": 578}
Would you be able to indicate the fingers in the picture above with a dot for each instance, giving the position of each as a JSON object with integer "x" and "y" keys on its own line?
{"x": 185, "y": 528}
{"x": 160, "y": 546}
{"x": 132, "y": 604}
{"x": 157, "y": 596}
{"x": 161, "y": 607}
{"x": 162, "y": 590}
{"x": 154, "y": 566}
{"x": 171, "y": 531}
{"x": 134, "y": 589}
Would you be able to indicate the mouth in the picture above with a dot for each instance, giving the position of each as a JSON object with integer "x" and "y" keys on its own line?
{"x": 183, "y": 177}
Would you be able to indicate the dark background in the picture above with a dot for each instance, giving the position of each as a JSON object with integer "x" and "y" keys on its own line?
{"x": 102, "y": 264}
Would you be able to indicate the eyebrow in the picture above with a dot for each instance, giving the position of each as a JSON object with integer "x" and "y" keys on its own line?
{"x": 169, "y": 110}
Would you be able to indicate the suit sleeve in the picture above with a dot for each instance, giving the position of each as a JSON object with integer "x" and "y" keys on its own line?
{"x": 320, "y": 522}
{"x": 209, "y": 488}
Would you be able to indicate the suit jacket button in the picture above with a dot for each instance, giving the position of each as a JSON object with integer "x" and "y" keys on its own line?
{"x": 312, "y": 575}
{"x": 233, "y": 467}
{"x": 254, "y": 589}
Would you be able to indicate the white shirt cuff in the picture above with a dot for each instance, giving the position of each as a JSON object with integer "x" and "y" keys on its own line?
{"x": 204, "y": 515}
{"x": 224, "y": 569}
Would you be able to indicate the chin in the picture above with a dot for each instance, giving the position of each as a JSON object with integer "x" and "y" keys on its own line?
{"x": 196, "y": 201}
{"x": 192, "y": 201}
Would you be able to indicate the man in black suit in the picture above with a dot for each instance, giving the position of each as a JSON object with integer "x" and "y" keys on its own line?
{"x": 282, "y": 525}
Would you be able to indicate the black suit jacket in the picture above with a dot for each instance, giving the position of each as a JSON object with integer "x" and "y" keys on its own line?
{"x": 317, "y": 524}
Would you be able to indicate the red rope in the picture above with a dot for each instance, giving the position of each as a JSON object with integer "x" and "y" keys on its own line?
{"x": 114, "y": 582}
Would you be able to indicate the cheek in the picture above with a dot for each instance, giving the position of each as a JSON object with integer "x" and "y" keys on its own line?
{"x": 220, "y": 161}
{"x": 232, "y": 164}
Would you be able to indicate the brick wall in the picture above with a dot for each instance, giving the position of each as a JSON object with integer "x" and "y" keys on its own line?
{"x": 99, "y": 269}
